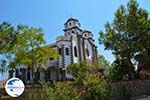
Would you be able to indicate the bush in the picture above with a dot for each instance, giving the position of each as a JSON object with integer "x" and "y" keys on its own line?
{"x": 60, "y": 91}
{"x": 94, "y": 82}
{"x": 96, "y": 88}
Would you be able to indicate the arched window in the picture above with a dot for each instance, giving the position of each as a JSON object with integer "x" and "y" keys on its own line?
{"x": 70, "y": 24}
{"x": 67, "y": 51}
{"x": 75, "y": 51}
{"x": 59, "y": 51}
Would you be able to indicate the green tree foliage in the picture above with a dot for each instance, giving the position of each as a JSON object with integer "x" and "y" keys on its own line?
{"x": 31, "y": 50}
{"x": 60, "y": 91}
{"x": 2, "y": 68}
{"x": 97, "y": 88}
{"x": 128, "y": 36}
{"x": 104, "y": 65}
{"x": 93, "y": 82}
{"x": 79, "y": 71}
{"x": 8, "y": 40}
{"x": 118, "y": 70}
{"x": 23, "y": 45}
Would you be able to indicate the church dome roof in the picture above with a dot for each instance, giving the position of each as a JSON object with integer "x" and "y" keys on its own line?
{"x": 71, "y": 19}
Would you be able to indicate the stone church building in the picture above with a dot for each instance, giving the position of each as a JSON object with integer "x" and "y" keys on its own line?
{"x": 74, "y": 46}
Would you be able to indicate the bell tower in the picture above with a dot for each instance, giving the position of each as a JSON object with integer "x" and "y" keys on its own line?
{"x": 72, "y": 26}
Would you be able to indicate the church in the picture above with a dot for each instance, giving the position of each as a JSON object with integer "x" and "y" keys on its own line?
{"x": 74, "y": 46}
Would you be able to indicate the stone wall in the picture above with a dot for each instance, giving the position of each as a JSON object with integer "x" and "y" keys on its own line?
{"x": 124, "y": 90}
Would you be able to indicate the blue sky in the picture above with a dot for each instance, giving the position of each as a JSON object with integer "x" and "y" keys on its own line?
{"x": 50, "y": 15}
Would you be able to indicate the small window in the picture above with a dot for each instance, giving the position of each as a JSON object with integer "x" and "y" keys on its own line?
{"x": 70, "y": 24}
{"x": 59, "y": 51}
{"x": 67, "y": 51}
{"x": 72, "y": 31}
{"x": 75, "y": 51}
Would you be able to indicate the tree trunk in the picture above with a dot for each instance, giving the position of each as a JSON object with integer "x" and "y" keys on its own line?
{"x": 139, "y": 69}
{"x": 2, "y": 78}
{"x": 131, "y": 69}
{"x": 63, "y": 76}
{"x": 138, "y": 73}
{"x": 11, "y": 73}
{"x": 33, "y": 76}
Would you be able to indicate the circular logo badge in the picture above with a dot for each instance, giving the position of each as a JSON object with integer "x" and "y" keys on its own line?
{"x": 14, "y": 87}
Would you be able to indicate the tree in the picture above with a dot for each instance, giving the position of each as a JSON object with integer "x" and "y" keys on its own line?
{"x": 104, "y": 65}
{"x": 7, "y": 37}
{"x": 79, "y": 71}
{"x": 2, "y": 68}
{"x": 23, "y": 45}
{"x": 7, "y": 44}
{"x": 128, "y": 36}
{"x": 118, "y": 70}
{"x": 97, "y": 88}
{"x": 91, "y": 82}
{"x": 31, "y": 50}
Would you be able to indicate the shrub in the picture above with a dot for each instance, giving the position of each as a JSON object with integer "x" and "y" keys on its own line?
{"x": 60, "y": 91}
